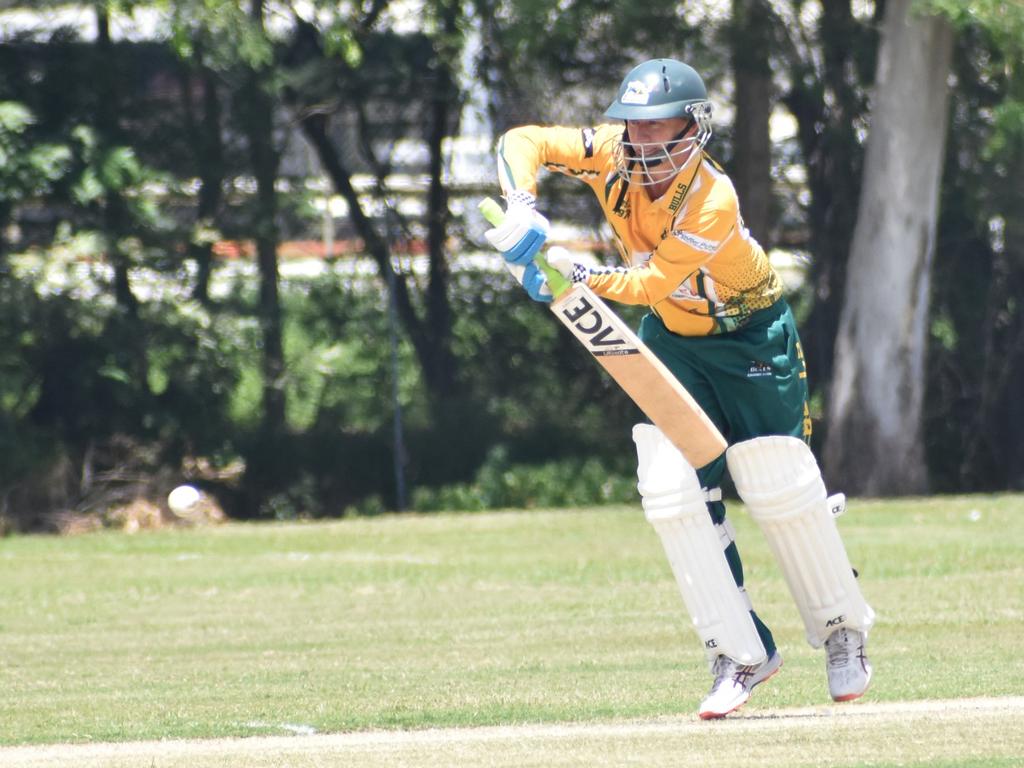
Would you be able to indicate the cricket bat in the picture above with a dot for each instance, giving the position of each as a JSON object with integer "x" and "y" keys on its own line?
{"x": 628, "y": 361}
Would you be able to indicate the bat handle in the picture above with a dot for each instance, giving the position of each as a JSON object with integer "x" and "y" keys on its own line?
{"x": 557, "y": 282}
{"x": 491, "y": 209}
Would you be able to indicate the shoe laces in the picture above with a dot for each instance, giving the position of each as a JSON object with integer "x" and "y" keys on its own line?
{"x": 838, "y": 648}
{"x": 723, "y": 667}
{"x": 726, "y": 668}
{"x": 722, "y": 670}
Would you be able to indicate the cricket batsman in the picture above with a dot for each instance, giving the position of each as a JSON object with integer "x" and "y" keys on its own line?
{"x": 719, "y": 322}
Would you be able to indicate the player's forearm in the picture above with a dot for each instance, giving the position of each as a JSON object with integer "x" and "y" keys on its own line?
{"x": 519, "y": 160}
{"x": 523, "y": 151}
{"x": 620, "y": 285}
{"x": 646, "y": 284}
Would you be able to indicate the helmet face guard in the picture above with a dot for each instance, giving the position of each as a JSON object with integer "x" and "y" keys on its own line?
{"x": 653, "y": 162}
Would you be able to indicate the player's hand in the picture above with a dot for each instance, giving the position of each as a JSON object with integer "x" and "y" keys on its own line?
{"x": 532, "y": 280}
{"x": 535, "y": 282}
{"x": 521, "y": 234}
{"x": 560, "y": 258}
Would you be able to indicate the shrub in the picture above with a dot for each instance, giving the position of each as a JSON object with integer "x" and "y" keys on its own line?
{"x": 500, "y": 484}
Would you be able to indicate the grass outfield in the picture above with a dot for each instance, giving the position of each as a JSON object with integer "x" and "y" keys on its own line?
{"x": 558, "y": 617}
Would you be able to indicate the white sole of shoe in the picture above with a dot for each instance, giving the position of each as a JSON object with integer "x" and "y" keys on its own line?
{"x": 855, "y": 696}
{"x": 720, "y": 715}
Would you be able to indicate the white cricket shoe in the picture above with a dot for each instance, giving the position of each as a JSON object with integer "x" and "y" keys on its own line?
{"x": 849, "y": 672}
{"x": 733, "y": 684}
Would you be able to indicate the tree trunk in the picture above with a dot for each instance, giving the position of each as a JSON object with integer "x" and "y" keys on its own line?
{"x": 752, "y": 159}
{"x": 874, "y": 444}
{"x": 205, "y": 132}
{"x": 314, "y": 127}
{"x": 259, "y": 115}
{"x": 115, "y": 215}
{"x": 440, "y": 369}
{"x": 429, "y": 331}
{"x": 825, "y": 99}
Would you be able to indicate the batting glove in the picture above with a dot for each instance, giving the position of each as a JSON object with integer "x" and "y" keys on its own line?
{"x": 532, "y": 280}
{"x": 536, "y": 283}
{"x": 522, "y": 233}
{"x": 560, "y": 258}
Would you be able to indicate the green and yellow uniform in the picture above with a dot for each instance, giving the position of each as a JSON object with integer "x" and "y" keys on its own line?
{"x": 686, "y": 255}
{"x": 718, "y": 319}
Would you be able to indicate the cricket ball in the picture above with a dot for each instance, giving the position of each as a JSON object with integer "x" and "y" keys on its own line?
{"x": 182, "y": 499}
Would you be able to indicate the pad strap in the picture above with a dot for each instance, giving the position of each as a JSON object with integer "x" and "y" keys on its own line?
{"x": 726, "y": 533}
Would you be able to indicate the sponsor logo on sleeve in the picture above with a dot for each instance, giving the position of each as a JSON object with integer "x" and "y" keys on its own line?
{"x": 698, "y": 243}
{"x": 588, "y": 142}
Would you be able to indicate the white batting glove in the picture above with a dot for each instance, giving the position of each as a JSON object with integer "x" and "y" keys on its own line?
{"x": 522, "y": 233}
{"x": 559, "y": 258}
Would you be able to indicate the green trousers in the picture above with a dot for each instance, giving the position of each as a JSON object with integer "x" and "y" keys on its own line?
{"x": 751, "y": 383}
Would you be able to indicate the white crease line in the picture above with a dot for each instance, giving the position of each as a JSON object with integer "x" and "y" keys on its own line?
{"x": 779, "y": 719}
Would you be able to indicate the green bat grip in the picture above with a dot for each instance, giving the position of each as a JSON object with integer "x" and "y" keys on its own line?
{"x": 557, "y": 282}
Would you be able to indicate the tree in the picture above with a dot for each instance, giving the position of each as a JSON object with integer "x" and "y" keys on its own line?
{"x": 30, "y": 167}
{"x": 975, "y": 415}
{"x": 388, "y": 87}
{"x": 828, "y": 65}
{"x": 256, "y": 107}
{"x": 203, "y": 122}
{"x": 752, "y": 151}
{"x": 116, "y": 220}
{"x": 230, "y": 41}
{"x": 874, "y": 445}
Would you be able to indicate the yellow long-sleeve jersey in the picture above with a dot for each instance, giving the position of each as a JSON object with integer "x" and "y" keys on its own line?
{"x": 687, "y": 254}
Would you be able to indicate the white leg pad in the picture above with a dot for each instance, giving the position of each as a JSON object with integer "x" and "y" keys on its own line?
{"x": 779, "y": 481}
{"x": 674, "y": 504}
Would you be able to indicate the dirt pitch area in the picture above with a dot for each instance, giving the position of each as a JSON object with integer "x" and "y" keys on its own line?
{"x": 974, "y": 732}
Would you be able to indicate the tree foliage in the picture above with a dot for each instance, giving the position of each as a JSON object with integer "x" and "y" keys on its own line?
{"x": 135, "y": 350}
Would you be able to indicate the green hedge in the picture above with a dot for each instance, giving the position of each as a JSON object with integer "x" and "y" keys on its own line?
{"x": 500, "y": 484}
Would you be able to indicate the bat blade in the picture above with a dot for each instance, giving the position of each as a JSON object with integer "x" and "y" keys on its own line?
{"x": 647, "y": 381}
